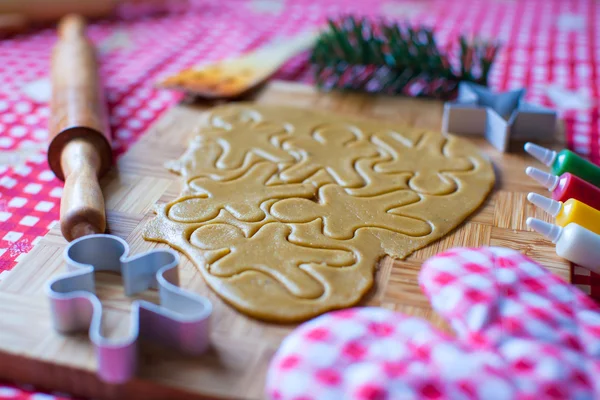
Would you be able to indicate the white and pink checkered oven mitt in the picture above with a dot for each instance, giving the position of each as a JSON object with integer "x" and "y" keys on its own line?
{"x": 521, "y": 333}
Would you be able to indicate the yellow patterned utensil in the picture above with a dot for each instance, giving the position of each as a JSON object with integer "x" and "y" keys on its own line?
{"x": 233, "y": 77}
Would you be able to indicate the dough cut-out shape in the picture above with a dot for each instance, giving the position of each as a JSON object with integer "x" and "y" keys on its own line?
{"x": 428, "y": 161}
{"x": 201, "y": 158}
{"x": 358, "y": 212}
{"x": 229, "y": 117}
{"x": 377, "y": 183}
{"x": 269, "y": 246}
{"x": 211, "y": 196}
{"x": 330, "y": 194}
{"x": 237, "y": 141}
{"x": 315, "y": 153}
{"x": 521, "y": 333}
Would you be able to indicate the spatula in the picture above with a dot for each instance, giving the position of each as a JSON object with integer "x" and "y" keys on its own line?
{"x": 233, "y": 77}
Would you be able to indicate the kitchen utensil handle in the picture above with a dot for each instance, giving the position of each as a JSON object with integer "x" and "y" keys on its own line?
{"x": 82, "y": 205}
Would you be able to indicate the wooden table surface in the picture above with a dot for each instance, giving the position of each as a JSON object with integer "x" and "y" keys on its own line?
{"x": 235, "y": 366}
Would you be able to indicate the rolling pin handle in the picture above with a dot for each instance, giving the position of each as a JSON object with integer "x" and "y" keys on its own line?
{"x": 82, "y": 206}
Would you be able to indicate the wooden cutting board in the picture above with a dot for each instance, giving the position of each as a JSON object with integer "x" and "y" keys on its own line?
{"x": 235, "y": 367}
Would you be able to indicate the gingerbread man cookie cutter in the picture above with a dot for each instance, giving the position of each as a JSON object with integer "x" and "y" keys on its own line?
{"x": 180, "y": 322}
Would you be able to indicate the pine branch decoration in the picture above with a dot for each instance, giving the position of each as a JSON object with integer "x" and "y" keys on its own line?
{"x": 359, "y": 54}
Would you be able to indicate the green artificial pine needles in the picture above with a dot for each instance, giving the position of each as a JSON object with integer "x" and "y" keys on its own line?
{"x": 382, "y": 57}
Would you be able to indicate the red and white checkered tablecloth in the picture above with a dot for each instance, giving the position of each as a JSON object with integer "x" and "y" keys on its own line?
{"x": 520, "y": 332}
{"x": 551, "y": 47}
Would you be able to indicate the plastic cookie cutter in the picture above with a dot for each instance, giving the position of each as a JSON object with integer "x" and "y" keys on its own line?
{"x": 181, "y": 321}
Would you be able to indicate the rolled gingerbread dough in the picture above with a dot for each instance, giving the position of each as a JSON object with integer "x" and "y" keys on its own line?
{"x": 286, "y": 211}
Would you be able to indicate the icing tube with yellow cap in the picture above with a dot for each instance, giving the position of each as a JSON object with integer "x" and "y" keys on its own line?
{"x": 570, "y": 211}
{"x": 565, "y": 161}
{"x": 573, "y": 242}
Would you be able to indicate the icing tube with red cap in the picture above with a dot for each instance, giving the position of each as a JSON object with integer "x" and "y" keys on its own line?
{"x": 567, "y": 186}
{"x": 573, "y": 242}
{"x": 565, "y": 161}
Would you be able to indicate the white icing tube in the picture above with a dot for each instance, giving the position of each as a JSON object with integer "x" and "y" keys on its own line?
{"x": 547, "y": 180}
{"x": 546, "y": 156}
{"x": 573, "y": 242}
{"x": 552, "y": 207}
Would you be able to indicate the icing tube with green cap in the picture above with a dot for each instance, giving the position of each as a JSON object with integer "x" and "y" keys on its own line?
{"x": 573, "y": 242}
{"x": 565, "y": 161}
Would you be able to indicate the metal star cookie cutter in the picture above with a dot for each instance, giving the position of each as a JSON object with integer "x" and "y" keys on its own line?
{"x": 181, "y": 321}
{"x": 497, "y": 116}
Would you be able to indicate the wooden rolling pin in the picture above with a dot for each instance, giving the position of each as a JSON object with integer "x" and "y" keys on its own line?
{"x": 16, "y": 16}
{"x": 79, "y": 152}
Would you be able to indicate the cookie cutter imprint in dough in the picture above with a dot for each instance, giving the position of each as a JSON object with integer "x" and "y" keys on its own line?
{"x": 180, "y": 322}
{"x": 286, "y": 211}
